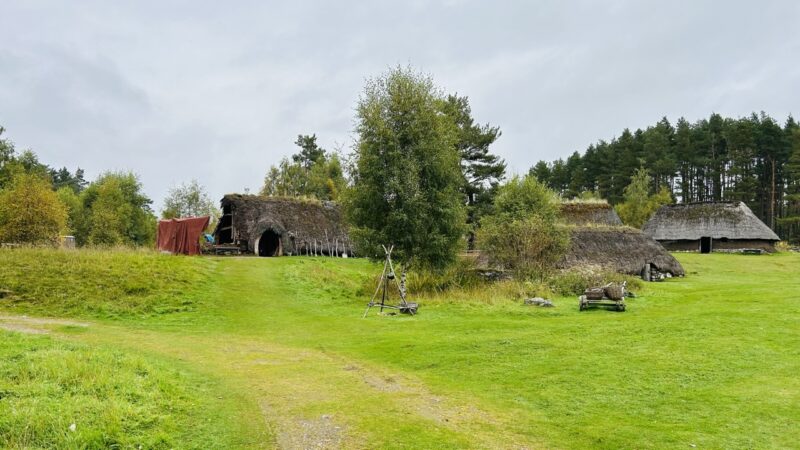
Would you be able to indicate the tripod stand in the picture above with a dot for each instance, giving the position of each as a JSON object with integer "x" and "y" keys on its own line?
{"x": 388, "y": 276}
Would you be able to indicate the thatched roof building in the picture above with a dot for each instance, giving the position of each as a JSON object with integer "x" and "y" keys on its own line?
{"x": 587, "y": 213}
{"x": 271, "y": 226}
{"x": 705, "y": 227}
{"x": 620, "y": 249}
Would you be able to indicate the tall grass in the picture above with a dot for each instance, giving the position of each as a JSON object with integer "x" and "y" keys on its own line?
{"x": 462, "y": 283}
{"x": 100, "y": 282}
{"x": 62, "y": 395}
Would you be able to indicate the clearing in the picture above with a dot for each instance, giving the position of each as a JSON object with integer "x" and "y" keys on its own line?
{"x": 272, "y": 352}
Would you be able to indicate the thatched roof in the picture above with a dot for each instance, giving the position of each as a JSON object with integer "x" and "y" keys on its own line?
{"x": 587, "y": 213}
{"x": 301, "y": 223}
{"x": 692, "y": 221}
{"x": 621, "y": 249}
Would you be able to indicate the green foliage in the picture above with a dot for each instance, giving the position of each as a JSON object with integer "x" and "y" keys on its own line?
{"x": 523, "y": 197}
{"x": 639, "y": 205}
{"x": 62, "y": 178}
{"x": 590, "y": 196}
{"x": 311, "y": 173}
{"x": 72, "y": 202}
{"x": 482, "y": 170}
{"x": 116, "y": 211}
{"x": 791, "y": 219}
{"x": 103, "y": 283}
{"x": 744, "y": 159}
{"x": 407, "y": 177}
{"x": 310, "y": 152}
{"x": 30, "y": 212}
{"x": 189, "y": 200}
{"x": 523, "y": 234}
{"x": 529, "y": 247}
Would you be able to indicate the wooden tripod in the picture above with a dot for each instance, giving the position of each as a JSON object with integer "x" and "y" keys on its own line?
{"x": 387, "y": 276}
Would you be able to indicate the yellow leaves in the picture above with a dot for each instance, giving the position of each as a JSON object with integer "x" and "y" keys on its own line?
{"x": 30, "y": 212}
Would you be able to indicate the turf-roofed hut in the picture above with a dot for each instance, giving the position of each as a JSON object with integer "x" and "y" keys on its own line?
{"x": 706, "y": 227}
{"x": 598, "y": 238}
{"x": 589, "y": 213}
{"x": 276, "y": 226}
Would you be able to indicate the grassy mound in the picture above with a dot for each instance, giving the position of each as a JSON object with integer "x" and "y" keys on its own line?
{"x": 103, "y": 283}
{"x": 64, "y": 395}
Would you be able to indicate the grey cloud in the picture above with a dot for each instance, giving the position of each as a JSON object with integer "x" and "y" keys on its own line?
{"x": 219, "y": 92}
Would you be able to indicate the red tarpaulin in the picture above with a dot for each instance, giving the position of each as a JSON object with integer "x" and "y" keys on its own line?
{"x": 181, "y": 235}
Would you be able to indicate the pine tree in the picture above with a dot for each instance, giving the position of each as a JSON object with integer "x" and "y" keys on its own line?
{"x": 482, "y": 171}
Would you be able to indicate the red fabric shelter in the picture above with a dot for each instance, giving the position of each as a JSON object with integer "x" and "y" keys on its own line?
{"x": 181, "y": 235}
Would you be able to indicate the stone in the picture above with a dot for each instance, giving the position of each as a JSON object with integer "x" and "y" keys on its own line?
{"x": 539, "y": 301}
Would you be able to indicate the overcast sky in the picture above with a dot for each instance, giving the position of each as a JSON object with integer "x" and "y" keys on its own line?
{"x": 218, "y": 91}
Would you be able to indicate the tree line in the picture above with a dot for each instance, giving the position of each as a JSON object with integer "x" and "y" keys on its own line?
{"x": 39, "y": 203}
{"x": 422, "y": 176}
{"x": 752, "y": 159}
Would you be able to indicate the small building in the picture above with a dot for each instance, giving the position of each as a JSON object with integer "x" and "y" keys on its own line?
{"x": 707, "y": 227}
{"x": 620, "y": 249}
{"x": 582, "y": 213}
{"x": 598, "y": 238}
{"x": 277, "y": 226}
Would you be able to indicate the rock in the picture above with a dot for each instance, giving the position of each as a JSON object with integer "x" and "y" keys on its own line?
{"x": 539, "y": 301}
{"x": 73, "y": 427}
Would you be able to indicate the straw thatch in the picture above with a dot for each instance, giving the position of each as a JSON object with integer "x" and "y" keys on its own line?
{"x": 731, "y": 226}
{"x": 620, "y": 249}
{"x": 300, "y": 226}
{"x": 587, "y": 213}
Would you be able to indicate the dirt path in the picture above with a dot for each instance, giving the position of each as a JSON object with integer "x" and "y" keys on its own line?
{"x": 36, "y": 325}
{"x": 313, "y": 399}
{"x": 296, "y": 397}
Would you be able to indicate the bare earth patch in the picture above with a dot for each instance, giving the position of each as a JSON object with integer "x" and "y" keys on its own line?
{"x": 35, "y": 325}
{"x": 321, "y": 433}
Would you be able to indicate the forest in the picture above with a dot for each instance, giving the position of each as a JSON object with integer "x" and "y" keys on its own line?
{"x": 752, "y": 159}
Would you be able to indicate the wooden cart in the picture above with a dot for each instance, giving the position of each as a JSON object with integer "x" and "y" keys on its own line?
{"x": 610, "y": 295}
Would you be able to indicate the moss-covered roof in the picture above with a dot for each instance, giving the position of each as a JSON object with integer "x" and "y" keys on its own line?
{"x": 621, "y": 249}
{"x": 304, "y": 222}
{"x": 591, "y": 212}
{"x": 692, "y": 221}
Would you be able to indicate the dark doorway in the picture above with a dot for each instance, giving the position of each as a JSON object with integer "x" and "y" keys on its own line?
{"x": 269, "y": 244}
{"x": 705, "y": 245}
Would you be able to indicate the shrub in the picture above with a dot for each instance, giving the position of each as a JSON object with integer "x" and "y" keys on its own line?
{"x": 30, "y": 212}
{"x": 529, "y": 247}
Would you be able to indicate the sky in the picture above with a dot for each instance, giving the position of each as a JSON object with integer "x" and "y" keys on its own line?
{"x": 218, "y": 91}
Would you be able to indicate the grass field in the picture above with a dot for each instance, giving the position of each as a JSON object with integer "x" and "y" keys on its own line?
{"x": 262, "y": 353}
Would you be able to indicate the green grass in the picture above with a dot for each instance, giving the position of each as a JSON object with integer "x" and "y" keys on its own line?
{"x": 278, "y": 343}
{"x": 112, "y": 398}
{"x": 101, "y": 283}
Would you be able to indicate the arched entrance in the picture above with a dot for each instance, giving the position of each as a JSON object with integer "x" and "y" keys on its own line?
{"x": 269, "y": 244}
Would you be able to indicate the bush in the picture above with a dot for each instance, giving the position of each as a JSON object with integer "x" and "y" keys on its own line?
{"x": 529, "y": 247}
{"x": 523, "y": 235}
{"x": 30, "y": 212}
{"x": 462, "y": 274}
